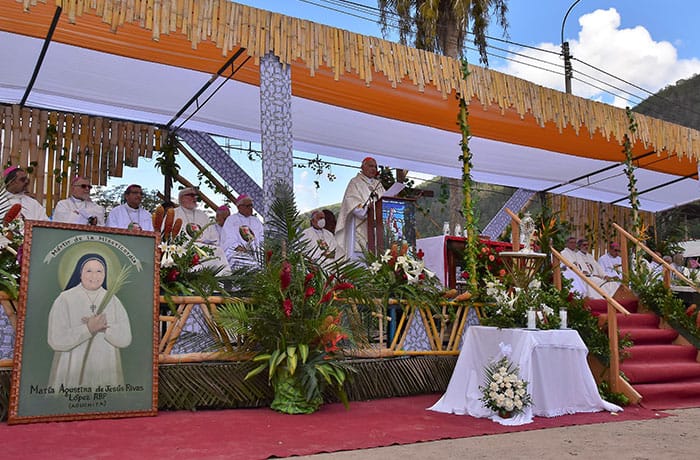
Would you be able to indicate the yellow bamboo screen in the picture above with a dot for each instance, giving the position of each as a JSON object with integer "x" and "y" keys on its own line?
{"x": 58, "y": 145}
{"x": 592, "y": 219}
{"x": 230, "y": 25}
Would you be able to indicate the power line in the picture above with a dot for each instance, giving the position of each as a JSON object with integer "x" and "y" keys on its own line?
{"x": 372, "y": 14}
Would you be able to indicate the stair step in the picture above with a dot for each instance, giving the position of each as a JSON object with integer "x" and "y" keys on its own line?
{"x": 669, "y": 371}
{"x": 649, "y": 336}
{"x": 634, "y": 320}
{"x": 651, "y": 353}
{"x": 601, "y": 305}
{"x": 670, "y": 395}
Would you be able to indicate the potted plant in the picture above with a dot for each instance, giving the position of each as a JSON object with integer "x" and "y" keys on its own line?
{"x": 299, "y": 316}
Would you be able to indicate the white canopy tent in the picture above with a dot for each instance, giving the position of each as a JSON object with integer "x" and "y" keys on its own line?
{"x": 81, "y": 79}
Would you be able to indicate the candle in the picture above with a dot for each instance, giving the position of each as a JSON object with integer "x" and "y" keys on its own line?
{"x": 562, "y": 318}
{"x": 531, "y": 323}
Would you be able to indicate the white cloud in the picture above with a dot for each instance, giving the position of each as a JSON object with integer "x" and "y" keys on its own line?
{"x": 630, "y": 54}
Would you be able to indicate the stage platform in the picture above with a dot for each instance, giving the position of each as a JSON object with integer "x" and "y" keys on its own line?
{"x": 221, "y": 385}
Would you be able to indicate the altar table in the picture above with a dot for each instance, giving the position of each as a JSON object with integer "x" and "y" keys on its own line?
{"x": 552, "y": 361}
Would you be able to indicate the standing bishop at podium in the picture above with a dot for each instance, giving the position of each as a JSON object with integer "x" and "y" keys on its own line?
{"x": 362, "y": 191}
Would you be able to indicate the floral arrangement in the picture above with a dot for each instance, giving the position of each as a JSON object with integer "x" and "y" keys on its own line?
{"x": 399, "y": 274}
{"x": 504, "y": 392}
{"x": 11, "y": 239}
{"x": 181, "y": 270}
{"x": 507, "y": 307}
{"x": 299, "y": 316}
{"x": 488, "y": 263}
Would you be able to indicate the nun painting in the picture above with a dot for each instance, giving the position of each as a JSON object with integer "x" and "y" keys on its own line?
{"x": 87, "y": 327}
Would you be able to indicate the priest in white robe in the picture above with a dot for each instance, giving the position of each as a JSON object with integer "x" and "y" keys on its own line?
{"x": 361, "y": 193}
{"x": 17, "y": 191}
{"x": 321, "y": 243}
{"x": 131, "y": 215}
{"x": 78, "y": 208}
{"x": 242, "y": 235}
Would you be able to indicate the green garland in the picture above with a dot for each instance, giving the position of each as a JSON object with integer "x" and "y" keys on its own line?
{"x": 468, "y": 204}
{"x": 631, "y": 180}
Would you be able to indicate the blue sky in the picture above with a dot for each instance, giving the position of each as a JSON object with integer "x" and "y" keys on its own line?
{"x": 649, "y": 44}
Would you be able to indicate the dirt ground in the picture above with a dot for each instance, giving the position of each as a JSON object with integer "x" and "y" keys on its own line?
{"x": 676, "y": 437}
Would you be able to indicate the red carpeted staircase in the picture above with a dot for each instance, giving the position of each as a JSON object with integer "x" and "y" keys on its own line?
{"x": 665, "y": 374}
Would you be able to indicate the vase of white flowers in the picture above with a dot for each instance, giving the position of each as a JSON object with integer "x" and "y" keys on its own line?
{"x": 504, "y": 392}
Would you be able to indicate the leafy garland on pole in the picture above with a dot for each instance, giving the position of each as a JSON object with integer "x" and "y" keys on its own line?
{"x": 167, "y": 163}
{"x": 468, "y": 204}
{"x": 631, "y": 180}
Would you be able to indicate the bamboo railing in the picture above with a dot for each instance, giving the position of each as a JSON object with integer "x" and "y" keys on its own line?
{"x": 668, "y": 269}
{"x": 614, "y": 379}
{"x": 172, "y": 326}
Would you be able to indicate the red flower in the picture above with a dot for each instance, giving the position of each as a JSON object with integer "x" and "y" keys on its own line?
{"x": 195, "y": 259}
{"x": 285, "y": 275}
{"x": 502, "y": 272}
{"x": 309, "y": 277}
{"x": 342, "y": 286}
{"x": 287, "y": 305}
{"x": 309, "y": 292}
{"x": 12, "y": 213}
{"x": 491, "y": 257}
{"x": 421, "y": 276}
{"x": 327, "y": 296}
{"x": 331, "y": 343}
{"x": 268, "y": 256}
{"x": 420, "y": 254}
{"x": 173, "y": 274}
{"x": 465, "y": 275}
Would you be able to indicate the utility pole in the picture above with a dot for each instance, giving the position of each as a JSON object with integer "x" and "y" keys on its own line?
{"x": 568, "y": 70}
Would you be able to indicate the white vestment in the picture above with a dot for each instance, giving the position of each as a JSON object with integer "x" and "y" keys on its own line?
{"x": 75, "y": 211}
{"x": 321, "y": 244}
{"x": 612, "y": 266}
{"x": 31, "y": 209}
{"x": 351, "y": 228}
{"x": 198, "y": 220}
{"x": 123, "y": 215}
{"x": 68, "y": 336}
{"x": 241, "y": 238}
{"x": 595, "y": 273}
{"x": 577, "y": 285}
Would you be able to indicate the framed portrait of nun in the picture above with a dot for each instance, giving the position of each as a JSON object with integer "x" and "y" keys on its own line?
{"x": 87, "y": 324}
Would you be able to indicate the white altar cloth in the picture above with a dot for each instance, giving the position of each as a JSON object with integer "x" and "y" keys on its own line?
{"x": 552, "y": 361}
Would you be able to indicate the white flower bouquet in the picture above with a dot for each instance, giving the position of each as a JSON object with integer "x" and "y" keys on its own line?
{"x": 504, "y": 392}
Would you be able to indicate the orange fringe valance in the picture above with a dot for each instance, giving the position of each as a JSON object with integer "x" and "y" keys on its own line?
{"x": 230, "y": 25}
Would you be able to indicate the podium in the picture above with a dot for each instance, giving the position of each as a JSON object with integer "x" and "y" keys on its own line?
{"x": 391, "y": 219}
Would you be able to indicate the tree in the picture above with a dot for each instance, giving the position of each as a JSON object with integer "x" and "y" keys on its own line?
{"x": 441, "y": 26}
{"x": 111, "y": 197}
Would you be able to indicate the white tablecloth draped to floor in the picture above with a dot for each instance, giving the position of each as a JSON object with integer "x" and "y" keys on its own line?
{"x": 552, "y": 361}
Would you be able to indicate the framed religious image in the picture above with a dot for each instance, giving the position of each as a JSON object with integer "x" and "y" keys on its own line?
{"x": 399, "y": 221}
{"x": 87, "y": 324}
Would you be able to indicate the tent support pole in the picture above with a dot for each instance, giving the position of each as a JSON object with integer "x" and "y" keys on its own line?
{"x": 40, "y": 61}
